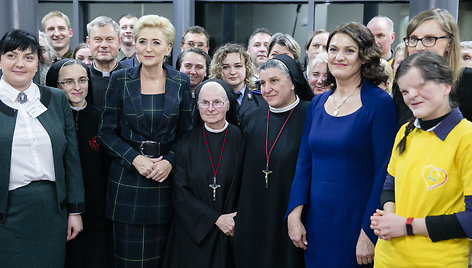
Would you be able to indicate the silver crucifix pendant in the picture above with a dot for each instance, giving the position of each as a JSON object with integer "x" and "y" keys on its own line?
{"x": 214, "y": 186}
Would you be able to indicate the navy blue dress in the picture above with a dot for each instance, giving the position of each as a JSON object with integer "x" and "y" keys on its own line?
{"x": 340, "y": 171}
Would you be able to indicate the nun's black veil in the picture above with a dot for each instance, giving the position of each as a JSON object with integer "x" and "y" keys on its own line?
{"x": 302, "y": 88}
{"x": 53, "y": 75}
{"x": 231, "y": 115}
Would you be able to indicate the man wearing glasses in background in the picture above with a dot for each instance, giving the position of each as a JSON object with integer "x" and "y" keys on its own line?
{"x": 195, "y": 36}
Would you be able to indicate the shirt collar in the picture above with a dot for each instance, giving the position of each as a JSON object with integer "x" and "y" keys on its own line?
{"x": 104, "y": 74}
{"x": 78, "y": 109}
{"x": 443, "y": 128}
{"x": 32, "y": 92}
{"x": 242, "y": 90}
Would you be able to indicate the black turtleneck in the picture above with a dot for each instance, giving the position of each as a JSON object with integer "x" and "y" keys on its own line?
{"x": 427, "y": 124}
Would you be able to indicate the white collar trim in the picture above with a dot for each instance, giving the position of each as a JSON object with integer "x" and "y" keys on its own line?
{"x": 216, "y": 130}
{"x": 286, "y": 108}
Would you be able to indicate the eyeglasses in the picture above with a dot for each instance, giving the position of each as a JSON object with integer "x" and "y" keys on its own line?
{"x": 71, "y": 82}
{"x": 427, "y": 41}
{"x": 193, "y": 44}
{"x": 206, "y": 104}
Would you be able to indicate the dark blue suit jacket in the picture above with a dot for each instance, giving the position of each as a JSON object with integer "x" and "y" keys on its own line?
{"x": 132, "y": 198}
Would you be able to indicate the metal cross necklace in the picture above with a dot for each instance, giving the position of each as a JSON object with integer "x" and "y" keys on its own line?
{"x": 267, "y": 171}
{"x": 214, "y": 185}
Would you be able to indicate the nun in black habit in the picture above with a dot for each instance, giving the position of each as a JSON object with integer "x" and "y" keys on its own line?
{"x": 93, "y": 247}
{"x": 272, "y": 138}
{"x": 206, "y": 178}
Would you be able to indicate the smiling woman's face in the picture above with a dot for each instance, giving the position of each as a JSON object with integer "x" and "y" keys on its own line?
{"x": 19, "y": 67}
{"x": 75, "y": 83}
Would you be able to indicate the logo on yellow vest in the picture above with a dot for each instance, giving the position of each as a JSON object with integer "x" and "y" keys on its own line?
{"x": 434, "y": 177}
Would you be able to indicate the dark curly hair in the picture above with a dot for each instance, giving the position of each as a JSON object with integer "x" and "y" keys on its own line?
{"x": 369, "y": 53}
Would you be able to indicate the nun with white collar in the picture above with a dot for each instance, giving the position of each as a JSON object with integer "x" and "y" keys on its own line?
{"x": 205, "y": 182}
{"x": 272, "y": 138}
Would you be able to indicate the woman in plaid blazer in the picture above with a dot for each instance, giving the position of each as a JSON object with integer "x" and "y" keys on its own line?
{"x": 146, "y": 108}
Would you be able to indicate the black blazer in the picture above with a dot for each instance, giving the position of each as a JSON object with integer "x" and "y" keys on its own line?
{"x": 252, "y": 100}
{"x": 132, "y": 198}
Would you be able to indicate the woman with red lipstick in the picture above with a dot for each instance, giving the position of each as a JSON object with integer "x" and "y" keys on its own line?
{"x": 147, "y": 108}
{"x": 344, "y": 151}
{"x": 426, "y": 213}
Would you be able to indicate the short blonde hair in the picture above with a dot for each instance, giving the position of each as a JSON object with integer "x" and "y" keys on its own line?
{"x": 158, "y": 22}
{"x": 216, "y": 65}
{"x": 58, "y": 14}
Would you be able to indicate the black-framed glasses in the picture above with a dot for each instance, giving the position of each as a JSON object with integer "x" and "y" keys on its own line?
{"x": 71, "y": 82}
{"x": 216, "y": 104}
{"x": 427, "y": 41}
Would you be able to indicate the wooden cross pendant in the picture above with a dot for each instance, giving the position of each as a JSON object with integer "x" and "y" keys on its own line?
{"x": 266, "y": 175}
{"x": 214, "y": 186}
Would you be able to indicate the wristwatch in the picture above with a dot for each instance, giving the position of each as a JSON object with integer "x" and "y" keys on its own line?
{"x": 409, "y": 227}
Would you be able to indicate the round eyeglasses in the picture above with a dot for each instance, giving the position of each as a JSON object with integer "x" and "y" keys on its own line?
{"x": 71, "y": 82}
{"x": 427, "y": 41}
{"x": 206, "y": 104}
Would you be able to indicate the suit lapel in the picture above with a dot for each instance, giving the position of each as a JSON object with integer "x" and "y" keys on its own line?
{"x": 171, "y": 94}
{"x": 132, "y": 86}
{"x": 245, "y": 102}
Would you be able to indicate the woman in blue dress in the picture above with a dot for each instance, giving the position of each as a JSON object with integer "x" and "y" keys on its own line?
{"x": 344, "y": 151}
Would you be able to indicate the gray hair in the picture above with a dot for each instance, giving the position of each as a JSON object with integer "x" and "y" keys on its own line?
{"x": 319, "y": 58}
{"x": 466, "y": 44}
{"x": 48, "y": 44}
{"x": 285, "y": 40}
{"x": 275, "y": 63}
{"x": 103, "y": 21}
{"x": 386, "y": 19}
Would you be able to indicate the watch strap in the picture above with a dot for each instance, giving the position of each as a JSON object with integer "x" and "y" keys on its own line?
{"x": 409, "y": 227}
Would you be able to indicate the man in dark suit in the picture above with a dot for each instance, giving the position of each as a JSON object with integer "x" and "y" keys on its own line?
{"x": 104, "y": 42}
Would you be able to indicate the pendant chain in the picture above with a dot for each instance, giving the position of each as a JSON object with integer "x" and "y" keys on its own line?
{"x": 336, "y": 107}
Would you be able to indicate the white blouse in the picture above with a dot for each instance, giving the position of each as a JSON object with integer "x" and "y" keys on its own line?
{"x": 31, "y": 154}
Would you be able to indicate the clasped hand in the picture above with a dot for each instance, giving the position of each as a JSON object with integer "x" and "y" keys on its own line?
{"x": 226, "y": 224}
{"x": 387, "y": 225}
{"x": 156, "y": 169}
